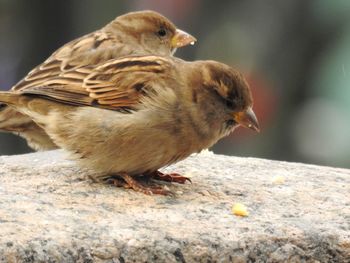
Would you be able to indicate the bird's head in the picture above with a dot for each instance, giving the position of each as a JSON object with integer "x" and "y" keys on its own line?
{"x": 154, "y": 32}
{"x": 232, "y": 92}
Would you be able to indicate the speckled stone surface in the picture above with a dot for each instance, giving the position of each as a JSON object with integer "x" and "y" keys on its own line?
{"x": 50, "y": 211}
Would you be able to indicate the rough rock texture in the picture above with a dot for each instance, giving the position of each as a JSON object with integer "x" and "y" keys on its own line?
{"x": 50, "y": 211}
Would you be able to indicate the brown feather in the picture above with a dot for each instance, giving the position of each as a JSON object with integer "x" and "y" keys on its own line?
{"x": 129, "y": 34}
{"x": 94, "y": 87}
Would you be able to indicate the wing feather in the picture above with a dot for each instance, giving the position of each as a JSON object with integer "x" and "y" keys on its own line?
{"x": 117, "y": 84}
{"x": 90, "y": 49}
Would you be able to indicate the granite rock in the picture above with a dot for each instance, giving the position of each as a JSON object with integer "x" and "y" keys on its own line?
{"x": 50, "y": 211}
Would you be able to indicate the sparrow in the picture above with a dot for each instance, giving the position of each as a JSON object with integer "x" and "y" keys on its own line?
{"x": 128, "y": 117}
{"x": 144, "y": 32}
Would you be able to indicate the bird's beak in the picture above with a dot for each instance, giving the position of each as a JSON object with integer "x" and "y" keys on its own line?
{"x": 181, "y": 39}
{"x": 247, "y": 119}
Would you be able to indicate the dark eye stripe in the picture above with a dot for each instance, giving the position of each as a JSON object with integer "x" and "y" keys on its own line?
{"x": 230, "y": 104}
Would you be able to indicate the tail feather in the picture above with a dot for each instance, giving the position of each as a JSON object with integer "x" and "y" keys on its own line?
{"x": 8, "y": 116}
{"x": 8, "y": 98}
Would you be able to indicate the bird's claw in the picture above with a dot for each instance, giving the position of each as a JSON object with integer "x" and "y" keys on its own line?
{"x": 171, "y": 177}
{"x": 128, "y": 182}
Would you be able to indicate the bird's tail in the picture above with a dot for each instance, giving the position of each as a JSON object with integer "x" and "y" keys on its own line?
{"x": 7, "y": 98}
{"x": 7, "y": 114}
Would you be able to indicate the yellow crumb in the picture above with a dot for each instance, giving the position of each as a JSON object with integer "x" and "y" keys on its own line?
{"x": 240, "y": 210}
{"x": 278, "y": 179}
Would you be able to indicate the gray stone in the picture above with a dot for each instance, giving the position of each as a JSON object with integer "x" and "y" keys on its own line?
{"x": 50, "y": 211}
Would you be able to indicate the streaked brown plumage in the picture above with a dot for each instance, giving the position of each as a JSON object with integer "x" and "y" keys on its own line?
{"x": 144, "y": 32}
{"x": 131, "y": 116}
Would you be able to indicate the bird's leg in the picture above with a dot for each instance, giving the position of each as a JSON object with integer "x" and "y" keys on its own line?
{"x": 172, "y": 177}
{"x": 127, "y": 181}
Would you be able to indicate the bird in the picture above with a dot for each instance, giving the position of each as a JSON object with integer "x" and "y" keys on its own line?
{"x": 127, "y": 118}
{"x": 142, "y": 33}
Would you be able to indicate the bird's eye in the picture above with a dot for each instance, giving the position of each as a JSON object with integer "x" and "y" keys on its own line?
{"x": 161, "y": 32}
{"x": 230, "y": 104}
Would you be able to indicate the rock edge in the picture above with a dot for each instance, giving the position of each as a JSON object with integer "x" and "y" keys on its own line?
{"x": 50, "y": 211}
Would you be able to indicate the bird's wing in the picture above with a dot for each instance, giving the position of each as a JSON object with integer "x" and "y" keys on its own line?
{"x": 117, "y": 84}
{"x": 91, "y": 49}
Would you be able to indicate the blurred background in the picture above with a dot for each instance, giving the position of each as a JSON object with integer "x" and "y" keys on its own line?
{"x": 295, "y": 55}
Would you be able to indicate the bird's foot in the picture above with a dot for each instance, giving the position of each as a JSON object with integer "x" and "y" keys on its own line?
{"x": 172, "y": 177}
{"x": 127, "y": 181}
